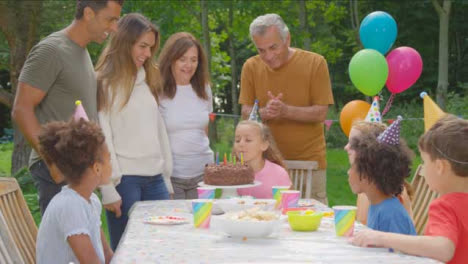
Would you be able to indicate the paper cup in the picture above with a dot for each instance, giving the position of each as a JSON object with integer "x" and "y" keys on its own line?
{"x": 276, "y": 190}
{"x": 206, "y": 192}
{"x": 201, "y": 209}
{"x": 344, "y": 220}
{"x": 289, "y": 199}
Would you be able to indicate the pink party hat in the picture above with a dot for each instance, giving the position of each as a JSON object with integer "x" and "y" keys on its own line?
{"x": 391, "y": 135}
{"x": 80, "y": 112}
{"x": 374, "y": 112}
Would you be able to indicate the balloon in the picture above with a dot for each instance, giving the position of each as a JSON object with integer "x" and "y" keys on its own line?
{"x": 404, "y": 68}
{"x": 378, "y": 31}
{"x": 352, "y": 111}
{"x": 368, "y": 71}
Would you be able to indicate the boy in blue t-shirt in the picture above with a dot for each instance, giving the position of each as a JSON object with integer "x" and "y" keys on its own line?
{"x": 378, "y": 169}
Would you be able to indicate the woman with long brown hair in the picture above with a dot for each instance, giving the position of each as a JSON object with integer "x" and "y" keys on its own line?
{"x": 186, "y": 102}
{"x": 128, "y": 84}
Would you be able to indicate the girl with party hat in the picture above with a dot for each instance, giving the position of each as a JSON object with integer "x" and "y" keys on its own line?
{"x": 255, "y": 146}
{"x": 378, "y": 169}
{"x": 444, "y": 151}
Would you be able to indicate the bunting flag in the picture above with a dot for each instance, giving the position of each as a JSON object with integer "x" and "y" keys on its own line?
{"x": 328, "y": 124}
{"x": 374, "y": 112}
{"x": 80, "y": 112}
{"x": 432, "y": 112}
{"x": 212, "y": 117}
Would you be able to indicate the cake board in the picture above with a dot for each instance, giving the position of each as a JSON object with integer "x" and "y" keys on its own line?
{"x": 230, "y": 190}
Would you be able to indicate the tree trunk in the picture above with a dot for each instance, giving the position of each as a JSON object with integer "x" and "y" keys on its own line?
{"x": 304, "y": 24}
{"x": 442, "y": 83}
{"x": 206, "y": 31}
{"x": 232, "y": 54}
{"x": 355, "y": 23}
{"x": 19, "y": 21}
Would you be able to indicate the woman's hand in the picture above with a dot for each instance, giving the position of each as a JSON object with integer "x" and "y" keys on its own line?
{"x": 115, "y": 208}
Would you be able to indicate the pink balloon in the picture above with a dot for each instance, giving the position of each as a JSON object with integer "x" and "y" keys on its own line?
{"x": 404, "y": 68}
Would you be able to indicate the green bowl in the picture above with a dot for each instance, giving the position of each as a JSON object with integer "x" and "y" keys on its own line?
{"x": 304, "y": 221}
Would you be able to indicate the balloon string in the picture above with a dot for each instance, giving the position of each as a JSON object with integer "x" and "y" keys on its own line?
{"x": 389, "y": 104}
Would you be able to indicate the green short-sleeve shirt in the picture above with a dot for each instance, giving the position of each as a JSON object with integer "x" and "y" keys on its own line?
{"x": 64, "y": 71}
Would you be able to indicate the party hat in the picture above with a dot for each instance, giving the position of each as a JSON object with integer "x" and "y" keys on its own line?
{"x": 391, "y": 135}
{"x": 374, "y": 112}
{"x": 253, "y": 114}
{"x": 432, "y": 111}
{"x": 80, "y": 112}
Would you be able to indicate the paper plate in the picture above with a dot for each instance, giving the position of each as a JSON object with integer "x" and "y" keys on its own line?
{"x": 165, "y": 220}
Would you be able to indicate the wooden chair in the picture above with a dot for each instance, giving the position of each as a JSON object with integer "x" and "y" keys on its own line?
{"x": 421, "y": 199}
{"x": 18, "y": 219}
{"x": 9, "y": 253}
{"x": 301, "y": 175}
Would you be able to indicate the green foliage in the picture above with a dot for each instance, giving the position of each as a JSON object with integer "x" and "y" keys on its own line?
{"x": 5, "y": 159}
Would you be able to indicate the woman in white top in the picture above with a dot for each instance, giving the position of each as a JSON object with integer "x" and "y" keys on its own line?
{"x": 128, "y": 81}
{"x": 70, "y": 230}
{"x": 186, "y": 103}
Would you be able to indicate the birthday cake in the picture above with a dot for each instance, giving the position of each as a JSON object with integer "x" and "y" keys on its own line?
{"x": 229, "y": 174}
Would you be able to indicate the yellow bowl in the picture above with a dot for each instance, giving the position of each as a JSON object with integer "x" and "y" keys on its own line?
{"x": 304, "y": 220}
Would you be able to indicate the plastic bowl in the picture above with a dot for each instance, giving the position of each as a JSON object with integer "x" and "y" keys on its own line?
{"x": 248, "y": 229}
{"x": 304, "y": 220}
{"x": 239, "y": 204}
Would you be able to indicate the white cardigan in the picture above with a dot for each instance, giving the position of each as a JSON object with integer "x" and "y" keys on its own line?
{"x": 137, "y": 139}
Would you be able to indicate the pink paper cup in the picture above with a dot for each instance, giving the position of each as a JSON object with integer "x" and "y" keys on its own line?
{"x": 201, "y": 209}
{"x": 289, "y": 199}
{"x": 345, "y": 217}
{"x": 276, "y": 191}
{"x": 206, "y": 192}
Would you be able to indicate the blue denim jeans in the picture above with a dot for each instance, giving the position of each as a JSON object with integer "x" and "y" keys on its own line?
{"x": 132, "y": 189}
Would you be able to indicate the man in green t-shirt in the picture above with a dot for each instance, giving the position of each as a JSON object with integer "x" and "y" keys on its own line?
{"x": 57, "y": 72}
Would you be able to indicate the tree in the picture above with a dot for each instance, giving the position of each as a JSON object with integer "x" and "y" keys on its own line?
{"x": 444, "y": 16}
{"x": 21, "y": 35}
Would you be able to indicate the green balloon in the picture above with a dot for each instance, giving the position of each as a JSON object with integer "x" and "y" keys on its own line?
{"x": 368, "y": 70}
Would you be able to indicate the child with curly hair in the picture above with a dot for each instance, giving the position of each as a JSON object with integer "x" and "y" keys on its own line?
{"x": 378, "y": 169}
{"x": 444, "y": 151}
{"x": 374, "y": 129}
{"x": 70, "y": 228}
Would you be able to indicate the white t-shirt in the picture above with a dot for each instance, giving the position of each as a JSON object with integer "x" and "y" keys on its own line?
{"x": 186, "y": 117}
{"x": 67, "y": 214}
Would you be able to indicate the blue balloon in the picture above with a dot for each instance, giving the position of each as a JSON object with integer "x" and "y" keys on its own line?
{"x": 378, "y": 31}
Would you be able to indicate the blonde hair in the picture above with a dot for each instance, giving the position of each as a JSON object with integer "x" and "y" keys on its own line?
{"x": 116, "y": 71}
{"x": 271, "y": 153}
{"x": 369, "y": 128}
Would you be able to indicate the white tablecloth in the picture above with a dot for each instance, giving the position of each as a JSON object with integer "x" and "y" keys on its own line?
{"x": 145, "y": 243}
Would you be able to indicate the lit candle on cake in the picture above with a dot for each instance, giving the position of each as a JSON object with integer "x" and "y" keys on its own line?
{"x": 242, "y": 158}
{"x": 217, "y": 158}
{"x": 225, "y": 159}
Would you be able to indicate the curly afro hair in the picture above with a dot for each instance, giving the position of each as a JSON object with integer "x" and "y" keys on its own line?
{"x": 72, "y": 146}
{"x": 382, "y": 164}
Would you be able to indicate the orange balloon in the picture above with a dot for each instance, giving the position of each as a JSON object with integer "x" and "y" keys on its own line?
{"x": 352, "y": 111}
